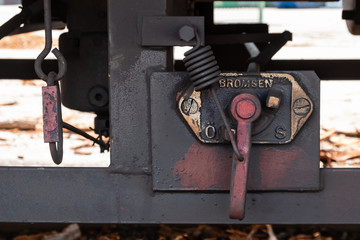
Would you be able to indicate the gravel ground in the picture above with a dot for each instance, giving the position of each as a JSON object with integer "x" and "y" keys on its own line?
{"x": 317, "y": 34}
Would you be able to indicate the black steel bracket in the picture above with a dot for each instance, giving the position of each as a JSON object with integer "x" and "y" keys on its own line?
{"x": 271, "y": 49}
{"x": 163, "y": 31}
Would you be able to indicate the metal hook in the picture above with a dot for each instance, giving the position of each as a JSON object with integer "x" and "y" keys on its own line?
{"x": 47, "y": 48}
{"x": 53, "y": 125}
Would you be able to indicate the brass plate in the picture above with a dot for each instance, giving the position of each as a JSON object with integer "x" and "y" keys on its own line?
{"x": 301, "y": 104}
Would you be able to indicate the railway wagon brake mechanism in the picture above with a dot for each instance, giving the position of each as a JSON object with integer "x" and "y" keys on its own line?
{"x": 224, "y": 135}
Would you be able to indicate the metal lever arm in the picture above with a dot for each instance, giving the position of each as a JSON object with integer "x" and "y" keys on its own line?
{"x": 246, "y": 109}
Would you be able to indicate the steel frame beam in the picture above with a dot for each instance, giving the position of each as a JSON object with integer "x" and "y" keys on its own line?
{"x": 330, "y": 69}
{"x": 97, "y": 195}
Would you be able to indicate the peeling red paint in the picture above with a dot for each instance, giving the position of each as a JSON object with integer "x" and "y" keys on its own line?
{"x": 204, "y": 166}
{"x": 209, "y": 166}
{"x": 50, "y": 114}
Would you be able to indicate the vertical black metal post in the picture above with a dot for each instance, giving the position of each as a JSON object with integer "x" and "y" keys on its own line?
{"x": 129, "y": 66}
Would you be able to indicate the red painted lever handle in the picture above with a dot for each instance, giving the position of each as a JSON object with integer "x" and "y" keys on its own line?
{"x": 239, "y": 172}
{"x": 246, "y": 109}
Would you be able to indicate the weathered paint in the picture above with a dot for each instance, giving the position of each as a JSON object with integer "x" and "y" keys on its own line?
{"x": 283, "y": 159}
{"x": 204, "y": 166}
{"x": 50, "y": 114}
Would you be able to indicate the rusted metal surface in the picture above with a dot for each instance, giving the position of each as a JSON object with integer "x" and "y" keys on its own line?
{"x": 272, "y": 157}
{"x": 204, "y": 167}
{"x": 50, "y": 114}
{"x": 196, "y": 166}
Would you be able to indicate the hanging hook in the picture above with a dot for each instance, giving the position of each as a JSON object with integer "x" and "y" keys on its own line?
{"x": 52, "y": 118}
{"x": 48, "y": 45}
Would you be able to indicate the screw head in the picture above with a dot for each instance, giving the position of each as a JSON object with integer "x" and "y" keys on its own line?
{"x": 189, "y": 106}
{"x": 187, "y": 33}
{"x": 301, "y": 107}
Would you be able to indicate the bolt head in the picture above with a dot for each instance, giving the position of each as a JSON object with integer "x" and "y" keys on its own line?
{"x": 187, "y": 33}
{"x": 301, "y": 106}
{"x": 189, "y": 106}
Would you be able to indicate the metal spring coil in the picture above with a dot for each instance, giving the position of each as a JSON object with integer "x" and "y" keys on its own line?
{"x": 204, "y": 71}
{"x": 202, "y": 67}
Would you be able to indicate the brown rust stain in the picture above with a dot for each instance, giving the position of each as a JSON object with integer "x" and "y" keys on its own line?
{"x": 204, "y": 167}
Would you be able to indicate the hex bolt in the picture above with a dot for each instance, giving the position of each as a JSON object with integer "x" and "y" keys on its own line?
{"x": 301, "y": 107}
{"x": 186, "y": 33}
{"x": 189, "y": 106}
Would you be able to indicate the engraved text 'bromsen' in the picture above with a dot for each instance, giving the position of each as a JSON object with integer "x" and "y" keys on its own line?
{"x": 245, "y": 83}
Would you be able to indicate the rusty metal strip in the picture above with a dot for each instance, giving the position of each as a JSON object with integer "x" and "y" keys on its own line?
{"x": 50, "y": 114}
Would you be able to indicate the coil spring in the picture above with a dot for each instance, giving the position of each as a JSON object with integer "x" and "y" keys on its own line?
{"x": 204, "y": 71}
{"x": 202, "y": 67}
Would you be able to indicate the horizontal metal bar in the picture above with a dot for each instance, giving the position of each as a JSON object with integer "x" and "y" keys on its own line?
{"x": 164, "y": 30}
{"x": 95, "y": 195}
{"x": 329, "y": 69}
{"x": 23, "y": 68}
{"x": 243, "y": 38}
{"x": 325, "y": 69}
